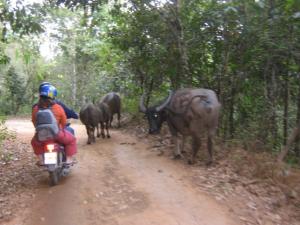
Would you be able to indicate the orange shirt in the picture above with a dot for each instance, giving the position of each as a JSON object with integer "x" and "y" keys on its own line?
{"x": 58, "y": 112}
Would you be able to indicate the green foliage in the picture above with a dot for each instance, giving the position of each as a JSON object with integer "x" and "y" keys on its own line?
{"x": 15, "y": 91}
{"x": 75, "y": 4}
{"x": 20, "y": 19}
{"x": 4, "y": 59}
{"x": 129, "y": 105}
{"x": 5, "y": 134}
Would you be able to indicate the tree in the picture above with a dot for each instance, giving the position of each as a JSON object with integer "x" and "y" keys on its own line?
{"x": 21, "y": 20}
{"x": 15, "y": 90}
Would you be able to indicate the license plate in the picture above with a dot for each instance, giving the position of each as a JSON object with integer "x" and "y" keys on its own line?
{"x": 50, "y": 158}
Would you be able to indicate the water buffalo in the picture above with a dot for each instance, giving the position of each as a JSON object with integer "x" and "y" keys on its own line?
{"x": 189, "y": 112}
{"x": 113, "y": 100}
{"x": 89, "y": 115}
{"x": 104, "y": 119}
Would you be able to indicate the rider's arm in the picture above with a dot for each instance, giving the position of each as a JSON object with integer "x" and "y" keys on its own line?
{"x": 69, "y": 112}
{"x": 33, "y": 114}
{"x": 59, "y": 115}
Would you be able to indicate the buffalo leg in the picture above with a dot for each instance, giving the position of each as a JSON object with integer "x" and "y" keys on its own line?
{"x": 98, "y": 132}
{"x": 209, "y": 149}
{"x": 102, "y": 130}
{"x": 93, "y": 134}
{"x": 107, "y": 130}
{"x": 182, "y": 144}
{"x": 196, "y": 146}
{"x": 110, "y": 120}
{"x": 177, "y": 152}
{"x": 119, "y": 117}
{"x": 88, "y": 134}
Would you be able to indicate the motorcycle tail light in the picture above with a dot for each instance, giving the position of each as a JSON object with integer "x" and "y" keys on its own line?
{"x": 50, "y": 147}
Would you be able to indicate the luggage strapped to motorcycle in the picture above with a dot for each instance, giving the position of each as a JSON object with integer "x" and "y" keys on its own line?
{"x": 46, "y": 126}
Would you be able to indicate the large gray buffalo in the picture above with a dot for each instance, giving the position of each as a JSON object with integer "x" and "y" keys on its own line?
{"x": 189, "y": 112}
{"x": 113, "y": 100}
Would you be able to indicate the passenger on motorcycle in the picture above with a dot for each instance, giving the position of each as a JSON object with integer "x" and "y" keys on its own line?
{"x": 70, "y": 113}
{"x": 64, "y": 137}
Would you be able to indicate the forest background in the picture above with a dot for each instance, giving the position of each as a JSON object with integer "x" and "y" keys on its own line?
{"x": 247, "y": 51}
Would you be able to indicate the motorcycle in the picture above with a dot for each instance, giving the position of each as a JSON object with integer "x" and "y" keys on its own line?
{"x": 54, "y": 158}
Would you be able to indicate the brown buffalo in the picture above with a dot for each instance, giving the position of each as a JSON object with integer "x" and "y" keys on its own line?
{"x": 189, "y": 112}
{"x": 89, "y": 116}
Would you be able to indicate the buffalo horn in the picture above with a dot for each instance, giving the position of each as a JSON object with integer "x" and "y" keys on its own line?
{"x": 163, "y": 105}
{"x": 142, "y": 105}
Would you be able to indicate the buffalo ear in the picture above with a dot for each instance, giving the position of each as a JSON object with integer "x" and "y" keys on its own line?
{"x": 165, "y": 103}
{"x": 142, "y": 107}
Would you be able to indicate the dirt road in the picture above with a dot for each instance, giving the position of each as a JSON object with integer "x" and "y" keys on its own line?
{"x": 120, "y": 181}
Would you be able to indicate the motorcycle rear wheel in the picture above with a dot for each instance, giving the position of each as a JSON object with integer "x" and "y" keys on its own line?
{"x": 53, "y": 178}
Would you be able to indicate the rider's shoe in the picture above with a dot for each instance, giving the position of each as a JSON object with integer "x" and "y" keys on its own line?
{"x": 70, "y": 161}
{"x": 40, "y": 161}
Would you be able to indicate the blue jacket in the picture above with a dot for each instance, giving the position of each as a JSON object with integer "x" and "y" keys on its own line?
{"x": 70, "y": 113}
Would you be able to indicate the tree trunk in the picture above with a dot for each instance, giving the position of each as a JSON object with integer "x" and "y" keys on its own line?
{"x": 176, "y": 27}
{"x": 286, "y": 109}
{"x": 222, "y": 92}
{"x": 231, "y": 113}
{"x": 183, "y": 76}
{"x": 293, "y": 137}
{"x": 297, "y": 149}
{"x": 74, "y": 83}
{"x": 272, "y": 103}
{"x": 270, "y": 127}
{"x": 181, "y": 44}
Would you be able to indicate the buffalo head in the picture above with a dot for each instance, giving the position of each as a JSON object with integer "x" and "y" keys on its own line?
{"x": 156, "y": 115}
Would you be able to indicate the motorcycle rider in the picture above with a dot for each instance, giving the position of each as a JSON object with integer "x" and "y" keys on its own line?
{"x": 64, "y": 137}
{"x": 70, "y": 113}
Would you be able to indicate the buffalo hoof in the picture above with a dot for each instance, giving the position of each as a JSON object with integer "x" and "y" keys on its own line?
{"x": 160, "y": 153}
{"x": 103, "y": 136}
{"x": 179, "y": 156}
{"x": 98, "y": 135}
{"x": 108, "y": 136}
{"x": 209, "y": 163}
{"x": 88, "y": 142}
{"x": 191, "y": 162}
